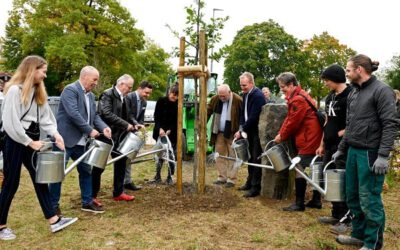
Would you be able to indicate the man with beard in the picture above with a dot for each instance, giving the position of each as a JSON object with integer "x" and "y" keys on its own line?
{"x": 371, "y": 129}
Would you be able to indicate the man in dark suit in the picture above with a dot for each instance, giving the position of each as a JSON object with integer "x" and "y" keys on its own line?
{"x": 253, "y": 100}
{"x": 113, "y": 110}
{"x": 77, "y": 120}
{"x": 137, "y": 102}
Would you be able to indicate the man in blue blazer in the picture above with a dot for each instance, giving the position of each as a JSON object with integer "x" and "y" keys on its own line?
{"x": 137, "y": 102}
{"x": 253, "y": 100}
{"x": 77, "y": 120}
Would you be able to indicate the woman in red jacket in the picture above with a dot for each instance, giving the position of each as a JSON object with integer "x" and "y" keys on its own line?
{"x": 301, "y": 123}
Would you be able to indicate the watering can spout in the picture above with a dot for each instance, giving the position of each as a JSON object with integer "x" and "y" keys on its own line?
{"x": 295, "y": 161}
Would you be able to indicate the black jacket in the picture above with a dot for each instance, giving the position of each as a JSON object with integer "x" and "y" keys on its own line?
{"x": 110, "y": 110}
{"x": 371, "y": 121}
{"x": 335, "y": 108}
{"x": 256, "y": 101}
{"x": 166, "y": 117}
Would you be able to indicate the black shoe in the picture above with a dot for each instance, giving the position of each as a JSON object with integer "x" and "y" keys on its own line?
{"x": 229, "y": 185}
{"x": 294, "y": 207}
{"x": 93, "y": 208}
{"x": 314, "y": 204}
{"x": 244, "y": 187}
{"x": 155, "y": 181}
{"x": 169, "y": 181}
{"x": 132, "y": 187}
{"x": 328, "y": 220}
{"x": 218, "y": 182}
{"x": 251, "y": 194}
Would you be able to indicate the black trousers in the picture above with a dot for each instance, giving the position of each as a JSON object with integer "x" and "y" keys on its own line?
{"x": 254, "y": 173}
{"x": 119, "y": 174}
{"x": 16, "y": 154}
{"x": 339, "y": 209}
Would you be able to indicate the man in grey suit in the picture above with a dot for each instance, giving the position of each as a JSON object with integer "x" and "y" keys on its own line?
{"x": 137, "y": 101}
{"x": 77, "y": 120}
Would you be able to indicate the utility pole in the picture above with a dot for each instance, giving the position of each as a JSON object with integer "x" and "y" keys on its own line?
{"x": 212, "y": 48}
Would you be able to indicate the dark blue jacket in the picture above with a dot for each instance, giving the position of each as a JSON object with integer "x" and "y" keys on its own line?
{"x": 255, "y": 102}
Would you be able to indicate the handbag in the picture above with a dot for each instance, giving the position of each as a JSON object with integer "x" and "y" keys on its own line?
{"x": 33, "y": 131}
{"x": 320, "y": 115}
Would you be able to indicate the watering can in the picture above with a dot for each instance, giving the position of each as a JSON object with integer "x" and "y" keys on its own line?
{"x": 316, "y": 169}
{"x": 50, "y": 165}
{"x": 99, "y": 155}
{"x": 242, "y": 155}
{"x": 241, "y": 149}
{"x": 334, "y": 189}
{"x": 130, "y": 147}
{"x": 278, "y": 156}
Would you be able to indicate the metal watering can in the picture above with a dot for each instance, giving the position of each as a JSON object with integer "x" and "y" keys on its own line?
{"x": 242, "y": 155}
{"x": 130, "y": 147}
{"x": 50, "y": 165}
{"x": 334, "y": 188}
{"x": 317, "y": 170}
{"x": 241, "y": 149}
{"x": 278, "y": 156}
{"x": 99, "y": 155}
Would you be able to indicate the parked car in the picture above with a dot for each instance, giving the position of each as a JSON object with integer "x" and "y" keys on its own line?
{"x": 149, "y": 113}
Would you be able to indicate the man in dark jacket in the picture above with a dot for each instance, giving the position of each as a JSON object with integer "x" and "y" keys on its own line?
{"x": 137, "y": 102}
{"x": 226, "y": 107}
{"x": 114, "y": 111}
{"x": 253, "y": 100}
{"x": 165, "y": 123}
{"x": 371, "y": 128}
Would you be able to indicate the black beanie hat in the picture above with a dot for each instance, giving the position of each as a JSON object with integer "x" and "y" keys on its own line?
{"x": 335, "y": 73}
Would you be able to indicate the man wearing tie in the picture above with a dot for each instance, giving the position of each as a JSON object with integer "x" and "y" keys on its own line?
{"x": 76, "y": 121}
{"x": 137, "y": 102}
{"x": 253, "y": 100}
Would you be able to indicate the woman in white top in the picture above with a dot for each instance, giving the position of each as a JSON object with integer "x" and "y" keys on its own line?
{"x": 25, "y": 111}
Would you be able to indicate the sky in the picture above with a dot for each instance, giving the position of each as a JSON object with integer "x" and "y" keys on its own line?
{"x": 369, "y": 27}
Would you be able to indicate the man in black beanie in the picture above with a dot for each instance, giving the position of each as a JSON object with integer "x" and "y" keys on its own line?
{"x": 334, "y": 78}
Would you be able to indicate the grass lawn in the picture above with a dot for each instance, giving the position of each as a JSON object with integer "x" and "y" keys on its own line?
{"x": 159, "y": 218}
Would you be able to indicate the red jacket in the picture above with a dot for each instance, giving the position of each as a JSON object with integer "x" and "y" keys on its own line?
{"x": 301, "y": 122}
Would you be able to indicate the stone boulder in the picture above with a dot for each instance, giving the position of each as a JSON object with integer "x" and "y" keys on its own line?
{"x": 274, "y": 185}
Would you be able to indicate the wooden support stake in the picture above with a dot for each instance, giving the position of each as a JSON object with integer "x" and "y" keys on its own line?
{"x": 180, "y": 115}
{"x": 202, "y": 143}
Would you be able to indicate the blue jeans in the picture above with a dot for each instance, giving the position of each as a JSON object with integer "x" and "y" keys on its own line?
{"x": 85, "y": 178}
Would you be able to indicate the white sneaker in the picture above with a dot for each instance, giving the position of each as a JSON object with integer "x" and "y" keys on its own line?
{"x": 63, "y": 223}
{"x": 7, "y": 234}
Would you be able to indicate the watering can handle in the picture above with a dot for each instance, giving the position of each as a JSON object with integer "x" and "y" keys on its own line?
{"x": 314, "y": 159}
{"x": 329, "y": 163}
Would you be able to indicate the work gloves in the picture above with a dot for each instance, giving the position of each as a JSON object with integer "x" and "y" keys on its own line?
{"x": 380, "y": 165}
{"x": 336, "y": 156}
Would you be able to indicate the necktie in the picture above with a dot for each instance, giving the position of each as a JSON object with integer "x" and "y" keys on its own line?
{"x": 124, "y": 113}
{"x": 138, "y": 108}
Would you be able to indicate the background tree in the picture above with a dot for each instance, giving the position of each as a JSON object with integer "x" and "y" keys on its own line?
{"x": 265, "y": 50}
{"x": 72, "y": 34}
{"x": 392, "y": 74}
{"x": 195, "y": 21}
{"x": 320, "y": 52}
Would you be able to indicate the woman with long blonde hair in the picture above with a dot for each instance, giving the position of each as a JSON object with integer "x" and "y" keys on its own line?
{"x": 24, "y": 112}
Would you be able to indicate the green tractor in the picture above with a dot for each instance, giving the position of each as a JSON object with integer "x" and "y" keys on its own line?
{"x": 190, "y": 101}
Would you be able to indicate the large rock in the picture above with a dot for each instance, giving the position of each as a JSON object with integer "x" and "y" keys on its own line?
{"x": 274, "y": 185}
